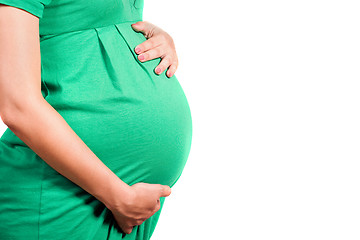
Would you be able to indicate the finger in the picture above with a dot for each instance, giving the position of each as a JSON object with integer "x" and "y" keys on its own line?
{"x": 143, "y": 27}
{"x": 126, "y": 229}
{"x": 164, "y": 64}
{"x": 165, "y": 191}
{"x": 148, "y": 44}
{"x": 152, "y": 211}
{"x": 129, "y": 230}
{"x": 139, "y": 222}
{"x": 172, "y": 69}
{"x": 138, "y": 26}
{"x": 151, "y": 54}
{"x": 157, "y": 207}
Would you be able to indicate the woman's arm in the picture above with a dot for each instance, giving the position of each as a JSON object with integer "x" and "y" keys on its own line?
{"x": 30, "y": 117}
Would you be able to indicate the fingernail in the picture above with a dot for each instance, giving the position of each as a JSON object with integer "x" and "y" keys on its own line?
{"x": 141, "y": 57}
{"x": 170, "y": 74}
{"x": 158, "y": 70}
{"x": 137, "y": 50}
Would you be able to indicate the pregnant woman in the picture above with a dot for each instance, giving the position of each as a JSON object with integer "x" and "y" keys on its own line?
{"x": 96, "y": 137}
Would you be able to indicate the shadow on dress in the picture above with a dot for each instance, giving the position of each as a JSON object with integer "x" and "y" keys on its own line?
{"x": 99, "y": 208}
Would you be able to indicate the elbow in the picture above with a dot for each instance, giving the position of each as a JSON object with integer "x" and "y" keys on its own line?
{"x": 9, "y": 116}
{"x": 13, "y": 112}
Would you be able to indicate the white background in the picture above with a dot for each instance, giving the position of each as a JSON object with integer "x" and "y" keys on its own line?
{"x": 274, "y": 92}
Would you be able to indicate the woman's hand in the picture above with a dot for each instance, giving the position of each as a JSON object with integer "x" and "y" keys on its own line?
{"x": 141, "y": 202}
{"x": 158, "y": 44}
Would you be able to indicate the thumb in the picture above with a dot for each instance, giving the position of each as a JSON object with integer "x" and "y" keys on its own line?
{"x": 165, "y": 191}
{"x": 139, "y": 27}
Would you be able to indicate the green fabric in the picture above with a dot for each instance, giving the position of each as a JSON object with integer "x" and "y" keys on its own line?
{"x": 137, "y": 122}
{"x": 34, "y": 7}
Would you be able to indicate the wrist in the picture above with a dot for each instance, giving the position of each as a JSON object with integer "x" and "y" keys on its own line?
{"x": 115, "y": 194}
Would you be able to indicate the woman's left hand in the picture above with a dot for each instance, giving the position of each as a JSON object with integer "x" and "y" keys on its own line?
{"x": 158, "y": 44}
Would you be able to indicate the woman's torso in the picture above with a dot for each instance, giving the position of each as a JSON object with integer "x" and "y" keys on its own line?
{"x": 137, "y": 122}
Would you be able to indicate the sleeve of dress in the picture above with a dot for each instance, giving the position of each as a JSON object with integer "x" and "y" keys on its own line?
{"x": 35, "y": 7}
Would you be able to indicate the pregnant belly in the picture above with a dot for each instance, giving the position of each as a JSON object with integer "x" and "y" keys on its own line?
{"x": 142, "y": 137}
{"x": 137, "y": 122}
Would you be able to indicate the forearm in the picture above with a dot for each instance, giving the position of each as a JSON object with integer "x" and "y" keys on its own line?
{"x": 47, "y": 133}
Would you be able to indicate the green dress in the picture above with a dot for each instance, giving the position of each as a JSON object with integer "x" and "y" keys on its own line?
{"x": 137, "y": 122}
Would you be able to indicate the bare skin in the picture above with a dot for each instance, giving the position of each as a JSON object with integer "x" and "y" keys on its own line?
{"x": 158, "y": 44}
{"x": 30, "y": 117}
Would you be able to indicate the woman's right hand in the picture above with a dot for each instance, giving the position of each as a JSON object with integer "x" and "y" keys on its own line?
{"x": 141, "y": 202}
